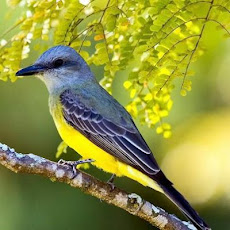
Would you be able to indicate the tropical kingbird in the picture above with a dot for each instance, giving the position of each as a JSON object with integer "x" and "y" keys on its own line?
{"x": 95, "y": 125}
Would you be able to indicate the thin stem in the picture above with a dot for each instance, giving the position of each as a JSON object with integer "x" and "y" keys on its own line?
{"x": 86, "y": 35}
{"x": 91, "y": 26}
{"x": 103, "y": 14}
{"x": 183, "y": 8}
{"x": 106, "y": 44}
{"x": 178, "y": 42}
{"x": 69, "y": 27}
{"x": 13, "y": 27}
{"x": 184, "y": 23}
{"x": 197, "y": 43}
{"x": 217, "y": 5}
{"x": 171, "y": 74}
{"x": 213, "y": 20}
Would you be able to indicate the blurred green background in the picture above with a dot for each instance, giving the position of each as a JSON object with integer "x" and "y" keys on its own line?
{"x": 196, "y": 158}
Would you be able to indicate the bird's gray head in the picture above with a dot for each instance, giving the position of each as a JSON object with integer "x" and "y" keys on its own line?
{"x": 58, "y": 67}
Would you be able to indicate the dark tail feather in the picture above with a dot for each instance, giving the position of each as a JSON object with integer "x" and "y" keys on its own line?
{"x": 184, "y": 206}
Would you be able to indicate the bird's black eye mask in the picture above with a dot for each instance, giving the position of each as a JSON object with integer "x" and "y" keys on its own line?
{"x": 58, "y": 63}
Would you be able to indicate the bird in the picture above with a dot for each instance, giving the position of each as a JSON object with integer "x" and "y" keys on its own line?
{"x": 97, "y": 126}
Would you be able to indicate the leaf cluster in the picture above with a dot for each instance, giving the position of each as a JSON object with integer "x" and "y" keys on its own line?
{"x": 156, "y": 40}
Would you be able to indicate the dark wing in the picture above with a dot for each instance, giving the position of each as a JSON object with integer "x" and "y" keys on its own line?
{"x": 120, "y": 140}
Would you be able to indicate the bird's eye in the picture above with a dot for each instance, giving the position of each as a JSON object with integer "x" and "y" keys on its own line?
{"x": 58, "y": 63}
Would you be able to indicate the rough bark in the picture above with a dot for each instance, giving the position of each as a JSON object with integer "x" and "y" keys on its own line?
{"x": 130, "y": 202}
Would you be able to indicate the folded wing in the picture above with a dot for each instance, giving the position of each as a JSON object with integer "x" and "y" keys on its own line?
{"x": 120, "y": 140}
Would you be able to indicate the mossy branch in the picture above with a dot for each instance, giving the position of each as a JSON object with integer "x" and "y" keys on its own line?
{"x": 130, "y": 202}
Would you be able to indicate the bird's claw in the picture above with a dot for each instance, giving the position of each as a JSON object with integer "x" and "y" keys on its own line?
{"x": 74, "y": 164}
{"x": 110, "y": 182}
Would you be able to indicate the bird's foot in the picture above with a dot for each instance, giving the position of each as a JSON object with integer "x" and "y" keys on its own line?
{"x": 111, "y": 181}
{"x": 74, "y": 164}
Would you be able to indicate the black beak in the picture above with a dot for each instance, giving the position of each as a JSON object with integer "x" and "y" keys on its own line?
{"x": 31, "y": 70}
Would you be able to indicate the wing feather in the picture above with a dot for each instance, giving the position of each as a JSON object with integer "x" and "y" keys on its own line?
{"x": 121, "y": 140}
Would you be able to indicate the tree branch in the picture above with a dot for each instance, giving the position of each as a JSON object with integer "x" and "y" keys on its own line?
{"x": 132, "y": 203}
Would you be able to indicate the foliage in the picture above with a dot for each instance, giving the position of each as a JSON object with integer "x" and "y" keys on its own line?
{"x": 155, "y": 40}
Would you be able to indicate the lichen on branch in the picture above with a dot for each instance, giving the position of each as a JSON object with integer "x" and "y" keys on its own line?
{"x": 130, "y": 202}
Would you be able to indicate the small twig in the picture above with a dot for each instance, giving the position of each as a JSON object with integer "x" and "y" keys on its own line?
{"x": 12, "y": 28}
{"x": 197, "y": 43}
{"x": 106, "y": 43}
{"x": 213, "y": 20}
{"x": 173, "y": 46}
{"x": 75, "y": 17}
{"x": 171, "y": 74}
{"x": 218, "y": 5}
{"x": 86, "y": 35}
{"x": 180, "y": 10}
{"x": 106, "y": 7}
{"x": 77, "y": 36}
{"x": 132, "y": 203}
{"x": 174, "y": 29}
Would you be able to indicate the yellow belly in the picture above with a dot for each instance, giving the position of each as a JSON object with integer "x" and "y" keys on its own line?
{"x": 103, "y": 160}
